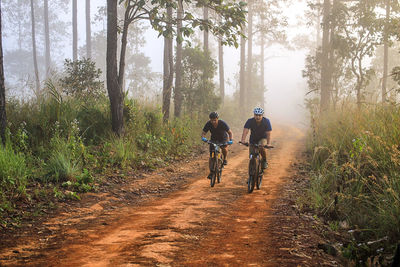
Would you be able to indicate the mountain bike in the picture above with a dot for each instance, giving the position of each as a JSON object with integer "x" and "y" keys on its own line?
{"x": 216, "y": 162}
{"x": 256, "y": 171}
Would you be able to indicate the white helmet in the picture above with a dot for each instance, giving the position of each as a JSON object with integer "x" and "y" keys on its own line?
{"x": 258, "y": 111}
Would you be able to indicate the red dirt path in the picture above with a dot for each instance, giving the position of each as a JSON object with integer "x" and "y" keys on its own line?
{"x": 193, "y": 226}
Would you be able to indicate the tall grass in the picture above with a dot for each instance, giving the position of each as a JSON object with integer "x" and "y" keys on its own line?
{"x": 13, "y": 175}
{"x": 59, "y": 140}
{"x": 356, "y": 162}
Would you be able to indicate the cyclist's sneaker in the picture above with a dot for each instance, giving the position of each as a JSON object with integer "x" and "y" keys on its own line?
{"x": 264, "y": 164}
{"x": 225, "y": 162}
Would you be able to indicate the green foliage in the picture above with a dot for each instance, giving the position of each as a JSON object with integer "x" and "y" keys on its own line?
{"x": 63, "y": 144}
{"x": 229, "y": 27}
{"x": 65, "y": 157}
{"x": 82, "y": 78}
{"x": 13, "y": 172}
{"x": 356, "y": 162}
{"x": 198, "y": 89}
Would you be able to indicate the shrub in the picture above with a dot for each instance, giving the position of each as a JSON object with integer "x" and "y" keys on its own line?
{"x": 82, "y": 79}
{"x": 13, "y": 172}
{"x": 356, "y": 162}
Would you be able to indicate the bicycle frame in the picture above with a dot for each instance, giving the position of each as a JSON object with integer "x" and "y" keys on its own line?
{"x": 216, "y": 162}
{"x": 255, "y": 170}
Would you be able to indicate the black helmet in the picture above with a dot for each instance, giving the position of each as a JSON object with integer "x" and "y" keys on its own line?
{"x": 213, "y": 115}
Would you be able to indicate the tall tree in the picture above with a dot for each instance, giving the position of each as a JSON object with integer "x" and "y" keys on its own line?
{"x": 270, "y": 25}
{"x": 178, "y": 65}
{"x": 385, "y": 51}
{"x": 168, "y": 68}
{"x": 221, "y": 69}
{"x": 88, "y": 31}
{"x": 47, "y": 37}
{"x": 74, "y": 30}
{"x": 262, "y": 46}
{"x": 205, "y": 31}
{"x": 37, "y": 92}
{"x": 114, "y": 89}
{"x": 3, "y": 117}
{"x": 242, "y": 73}
{"x": 325, "y": 81}
{"x": 155, "y": 13}
{"x": 249, "y": 65}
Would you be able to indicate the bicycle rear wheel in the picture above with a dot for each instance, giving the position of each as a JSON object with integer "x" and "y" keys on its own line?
{"x": 252, "y": 175}
{"x": 259, "y": 180}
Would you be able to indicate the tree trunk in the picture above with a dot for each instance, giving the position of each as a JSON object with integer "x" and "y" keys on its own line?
{"x": 262, "y": 69}
{"x": 249, "y": 70}
{"x": 3, "y": 117}
{"x": 37, "y": 92}
{"x": 205, "y": 32}
{"x": 47, "y": 37}
{"x": 21, "y": 33}
{"x": 88, "y": 31}
{"x": 178, "y": 65}
{"x": 74, "y": 30}
{"x": 221, "y": 70}
{"x": 113, "y": 88}
{"x": 168, "y": 70}
{"x": 331, "y": 56}
{"x": 319, "y": 24}
{"x": 325, "y": 81}
{"x": 124, "y": 38}
{"x": 385, "y": 54}
{"x": 242, "y": 75}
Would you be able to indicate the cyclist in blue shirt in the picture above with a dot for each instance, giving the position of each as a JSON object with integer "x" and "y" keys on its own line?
{"x": 260, "y": 128}
{"x": 220, "y": 133}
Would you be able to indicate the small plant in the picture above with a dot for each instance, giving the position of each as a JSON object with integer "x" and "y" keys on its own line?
{"x": 13, "y": 171}
{"x": 82, "y": 78}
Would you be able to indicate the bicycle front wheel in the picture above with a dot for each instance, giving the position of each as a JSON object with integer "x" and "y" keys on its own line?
{"x": 252, "y": 175}
{"x": 219, "y": 171}
{"x": 259, "y": 177}
{"x": 214, "y": 171}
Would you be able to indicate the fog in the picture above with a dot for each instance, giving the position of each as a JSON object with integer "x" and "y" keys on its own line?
{"x": 285, "y": 86}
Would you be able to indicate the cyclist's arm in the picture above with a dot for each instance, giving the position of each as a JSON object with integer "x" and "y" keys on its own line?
{"x": 230, "y": 134}
{"x": 268, "y": 138}
{"x": 244, "y": 135}
{"x": 203, "y": 134}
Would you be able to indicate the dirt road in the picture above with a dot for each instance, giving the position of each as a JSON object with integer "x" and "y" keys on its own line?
{"x": 194, "y": 226}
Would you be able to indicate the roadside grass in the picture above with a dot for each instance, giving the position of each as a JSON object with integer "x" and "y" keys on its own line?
{"x": 356, "y": 175}
{"x": 60, "y": 146}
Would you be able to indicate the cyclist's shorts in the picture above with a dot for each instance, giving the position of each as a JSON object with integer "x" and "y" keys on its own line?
{"x": 262, "y": 141}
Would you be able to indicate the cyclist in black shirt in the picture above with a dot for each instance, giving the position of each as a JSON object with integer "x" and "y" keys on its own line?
{"x": 220, "y": 133}
{"x": 260, "y": 128}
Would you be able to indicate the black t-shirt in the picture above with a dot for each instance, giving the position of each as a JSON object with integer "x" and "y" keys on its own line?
{"x": 219, "y": 133}
{"x": 258, "y": 132}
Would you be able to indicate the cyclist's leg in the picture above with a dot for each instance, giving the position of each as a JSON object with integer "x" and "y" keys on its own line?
{"x": 263, "y": 153}
{"x": 225, "y": 153}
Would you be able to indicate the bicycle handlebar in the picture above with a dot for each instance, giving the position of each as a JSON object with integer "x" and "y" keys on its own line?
{"x": 256, "y": 145}
{"x": 218, "y": 144}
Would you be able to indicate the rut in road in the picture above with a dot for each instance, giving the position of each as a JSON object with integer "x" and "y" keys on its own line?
{"x": 196, "y": 226}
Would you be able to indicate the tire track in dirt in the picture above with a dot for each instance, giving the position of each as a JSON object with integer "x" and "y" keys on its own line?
{"x": 196, "y": 226}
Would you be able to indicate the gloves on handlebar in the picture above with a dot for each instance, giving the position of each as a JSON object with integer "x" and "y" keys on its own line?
{"x": 230, "y": 142}
{"x": 204, "y": 139}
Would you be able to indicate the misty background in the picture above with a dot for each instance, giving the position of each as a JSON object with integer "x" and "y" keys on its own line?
{"x": 285, "y": 87}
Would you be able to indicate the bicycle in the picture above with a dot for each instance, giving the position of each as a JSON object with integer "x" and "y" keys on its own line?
{"x": 216, "y": 163}
{"x": 256, "y": 172}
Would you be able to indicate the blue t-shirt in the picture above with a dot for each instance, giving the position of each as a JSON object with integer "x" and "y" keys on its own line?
{"x": 218, "y": 134}
{"x": 258, "y": 132}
